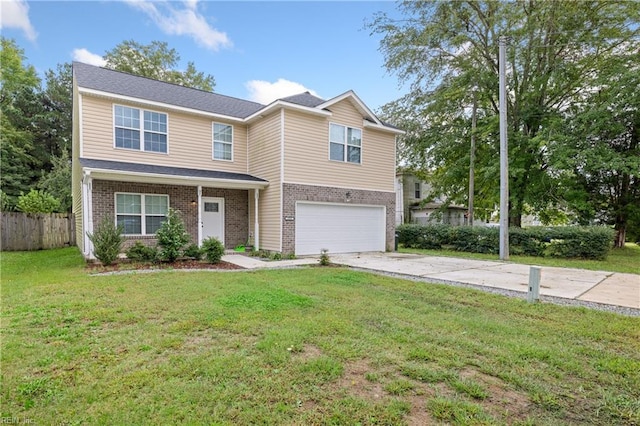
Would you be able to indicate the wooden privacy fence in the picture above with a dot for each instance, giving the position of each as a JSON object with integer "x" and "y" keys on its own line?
{"x": 29, "y": 231}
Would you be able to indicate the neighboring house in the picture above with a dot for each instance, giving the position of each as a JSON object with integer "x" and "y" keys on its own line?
{"x": 414, "y": 194}
{"x": 299, "y": 175}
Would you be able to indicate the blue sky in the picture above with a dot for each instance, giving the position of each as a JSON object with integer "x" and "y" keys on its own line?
{"x": 255, "y": 50}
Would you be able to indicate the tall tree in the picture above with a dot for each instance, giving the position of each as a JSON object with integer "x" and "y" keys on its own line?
{"x": 19, "y": 104}
{"x": 599, "y": 156}
{"x": 156, "y": 60}
{"x": 448, "y": 50}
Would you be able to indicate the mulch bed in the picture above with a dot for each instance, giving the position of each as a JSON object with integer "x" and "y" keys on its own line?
{"x": 124, "y": 265}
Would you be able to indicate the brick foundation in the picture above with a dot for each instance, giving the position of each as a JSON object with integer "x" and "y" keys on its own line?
{"x": 296, "y": 192}
{"x": 180, "y": 198}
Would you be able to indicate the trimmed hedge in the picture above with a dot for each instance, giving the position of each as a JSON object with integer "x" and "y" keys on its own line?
{"x": 592, "y": 242}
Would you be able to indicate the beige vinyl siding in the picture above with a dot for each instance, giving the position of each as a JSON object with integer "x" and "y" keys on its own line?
{"x": 307, "y": 152}
{"x": 190, "y": 140}
{"x": 76, "y": 171}
{"x": 264, "y": 162}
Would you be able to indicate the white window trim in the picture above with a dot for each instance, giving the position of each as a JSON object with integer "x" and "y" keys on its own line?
{"x": 140, "y": 130}
{"x": 213, "y": 141}
{"x": 142, "y": 210}
{"x": 346, "y": 144}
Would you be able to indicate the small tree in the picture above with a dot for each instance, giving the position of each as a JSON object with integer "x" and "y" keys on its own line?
{"x": 212, "y": 249}
{"x": 172, "y": 236}
{"x": 37, "y": 202}
{"x": 107, "y": 241}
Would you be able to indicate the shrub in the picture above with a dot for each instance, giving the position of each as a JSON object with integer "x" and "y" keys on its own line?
{"x": 172, "y": 236}
{"x": 5, "y": 202}
{"x": 107, "y": 241}
{"x": 192, "y": 251}
{"x": 566, "y": 242}
{"x": 212, "y": 249}
{"x": 324, "y": 257}
{"x": 475, "y": 239}
{"x": 424, "y": 236}
{"x": 140, "y": 253}
{"x": 37, "y": 202}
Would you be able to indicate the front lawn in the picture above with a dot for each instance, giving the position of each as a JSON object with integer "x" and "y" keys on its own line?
{"x": 626, "y": 259}
{"x": 300, "y": 346}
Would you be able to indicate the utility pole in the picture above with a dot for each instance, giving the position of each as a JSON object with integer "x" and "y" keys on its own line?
{"x": 504, "y": 154}
{"x": 472, "y": 159}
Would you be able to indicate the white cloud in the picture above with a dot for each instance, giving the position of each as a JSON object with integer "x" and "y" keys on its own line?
{"x": 183, "y": 21}
{"x": 83, "y": 55}
{"x": 15, "y": 14}
{"x": 265, "y": 92}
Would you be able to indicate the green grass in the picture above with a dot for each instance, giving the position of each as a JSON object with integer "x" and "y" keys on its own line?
{"x": 625, "y": 259}
{"x": 300, "y": 346}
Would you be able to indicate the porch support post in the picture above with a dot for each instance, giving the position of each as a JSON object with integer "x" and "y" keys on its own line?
{"x": 199, "y": 215}
{"x": 87, "y": 212}
{"x": 256, "y": 224}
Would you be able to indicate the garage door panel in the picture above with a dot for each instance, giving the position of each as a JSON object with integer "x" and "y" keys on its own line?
{"x": 339, "y": 228}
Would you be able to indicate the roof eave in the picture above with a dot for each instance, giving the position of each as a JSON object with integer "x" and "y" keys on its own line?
{"x": 110, "y": 95}
{"x": 382, "y": 128}
{"x": 276, "y": 105}
{"x": 156, "y": 178}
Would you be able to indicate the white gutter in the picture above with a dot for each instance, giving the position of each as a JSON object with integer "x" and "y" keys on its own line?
{"x": 370, "y": 125}
{"x": 141, "y": 177}
{"x": 282, "y": 104}
{"x": 158, "y": 104}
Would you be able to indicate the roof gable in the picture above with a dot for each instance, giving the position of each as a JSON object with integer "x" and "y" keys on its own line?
{"x": 304, "y": 99}
{"x": 367, "y": 114}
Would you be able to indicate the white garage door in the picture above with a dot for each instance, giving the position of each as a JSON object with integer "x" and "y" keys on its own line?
{"x": 339, "y": 228}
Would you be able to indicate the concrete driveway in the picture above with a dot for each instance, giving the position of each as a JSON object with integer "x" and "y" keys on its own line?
{"x": 607, "y": 288}
{"x": 578, "y": 284}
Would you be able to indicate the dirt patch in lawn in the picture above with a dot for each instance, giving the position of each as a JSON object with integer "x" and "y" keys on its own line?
{"x": 502, "y": 400}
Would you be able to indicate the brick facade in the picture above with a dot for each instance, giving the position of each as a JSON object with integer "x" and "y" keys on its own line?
{"x": 236, "y": 214}
{"x": 180, "y": 198}
{"x": 296, "y": 192}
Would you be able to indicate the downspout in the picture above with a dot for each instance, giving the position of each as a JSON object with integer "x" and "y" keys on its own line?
{"x": 281, "y": 175}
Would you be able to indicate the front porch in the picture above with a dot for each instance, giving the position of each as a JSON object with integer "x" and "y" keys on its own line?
{"x": 213, "y": 205}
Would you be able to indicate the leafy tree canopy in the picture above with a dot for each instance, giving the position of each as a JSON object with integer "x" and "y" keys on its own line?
{"x": 156, "y": 60}
{"x": 448, "y": 54}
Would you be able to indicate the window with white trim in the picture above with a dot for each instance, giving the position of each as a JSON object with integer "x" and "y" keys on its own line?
{"x": 222, "y": 141}
{"x": 128, "y": 129}
{"x": 416, "y": 190}
{"x": 345, "y": 144}
{"x": 141, "y": 214}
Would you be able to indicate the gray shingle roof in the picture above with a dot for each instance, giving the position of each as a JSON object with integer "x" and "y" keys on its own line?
{"x": 120, "y": 83}
{"x": 304, "y": 99}
{"x": 164, "y": 170}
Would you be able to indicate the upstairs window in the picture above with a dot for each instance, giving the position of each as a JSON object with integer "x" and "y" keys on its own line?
{"x": 345, "y": 144}
{"x": 128, "y": 129}
{"x": 222, "y": 142}
{"x": 417, "y": 190}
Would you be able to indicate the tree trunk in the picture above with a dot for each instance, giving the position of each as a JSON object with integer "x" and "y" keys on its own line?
{"x": 621, "y": 235}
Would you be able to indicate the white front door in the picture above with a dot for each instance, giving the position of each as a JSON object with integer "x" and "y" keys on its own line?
{"x": 212, "y": 210}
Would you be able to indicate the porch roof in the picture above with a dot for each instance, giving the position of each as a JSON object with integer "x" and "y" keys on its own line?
{"x": 147, "y": 173}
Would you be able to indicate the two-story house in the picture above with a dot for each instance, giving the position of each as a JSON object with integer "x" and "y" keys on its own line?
{"x": 415, "y": 204}
{"x": 299, "y": 175}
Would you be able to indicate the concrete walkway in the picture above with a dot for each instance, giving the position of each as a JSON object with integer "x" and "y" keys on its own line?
{"x": 577, "y": 284}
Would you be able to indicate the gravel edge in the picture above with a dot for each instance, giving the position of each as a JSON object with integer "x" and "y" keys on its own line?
{"x": 622, "y": 310}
